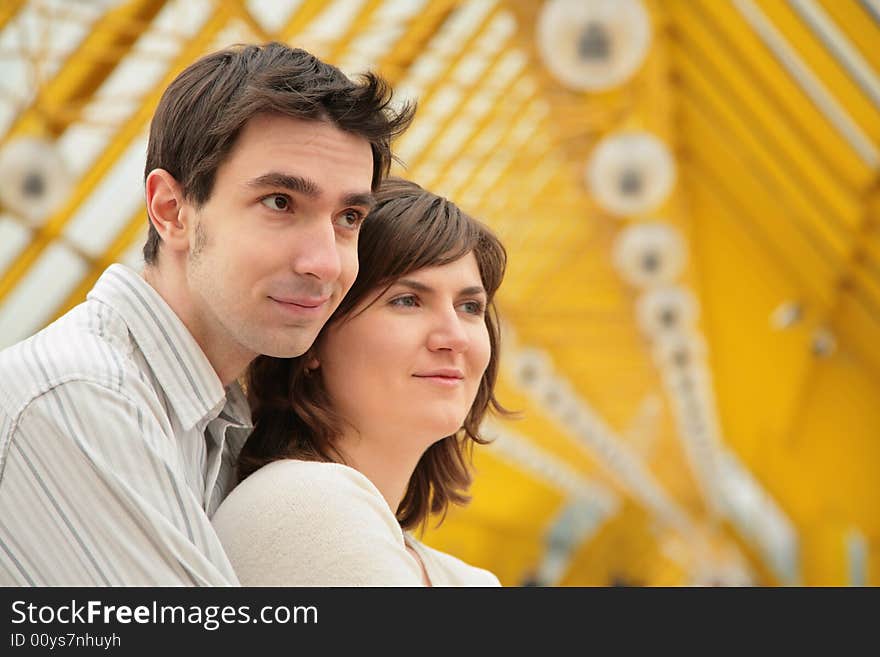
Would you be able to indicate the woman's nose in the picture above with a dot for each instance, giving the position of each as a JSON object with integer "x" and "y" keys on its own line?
{"x": 448, "y": 332}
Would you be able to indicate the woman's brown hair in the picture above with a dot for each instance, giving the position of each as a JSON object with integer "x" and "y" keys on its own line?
{"x": 408, "y": 229}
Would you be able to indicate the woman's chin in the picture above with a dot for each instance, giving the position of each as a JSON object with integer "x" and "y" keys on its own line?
{"x": 444, "y": 429}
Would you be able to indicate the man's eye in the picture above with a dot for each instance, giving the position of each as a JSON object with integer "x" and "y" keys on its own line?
{"x": 350, "y": 219}
{"x": 276, "y": 202}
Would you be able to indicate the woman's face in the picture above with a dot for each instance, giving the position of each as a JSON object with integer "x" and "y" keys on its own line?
{"x": 412, "y": 361}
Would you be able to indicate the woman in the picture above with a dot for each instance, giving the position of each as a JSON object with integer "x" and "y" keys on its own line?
{"x": 369, "y": 432}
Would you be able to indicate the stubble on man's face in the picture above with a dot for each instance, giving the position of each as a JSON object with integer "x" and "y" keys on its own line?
{"x": 200, "y": 241}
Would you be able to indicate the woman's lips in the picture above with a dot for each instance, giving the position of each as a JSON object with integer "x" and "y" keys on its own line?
{"x": 446, "y": 377}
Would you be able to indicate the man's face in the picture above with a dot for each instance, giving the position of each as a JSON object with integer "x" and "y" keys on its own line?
{"x": 274, "y": 249}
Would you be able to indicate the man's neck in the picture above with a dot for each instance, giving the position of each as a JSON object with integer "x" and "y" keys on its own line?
{"x": 228, "y": 359}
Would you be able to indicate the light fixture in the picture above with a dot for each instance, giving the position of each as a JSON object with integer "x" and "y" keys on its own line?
{"x": 649, "y": 254}
{"x": 630, "y": 173}
{"x": 530, "y": 368}
{"x": 680, "y": 351}
{"x": 593, "y": 45}
{"x": 786, "y": 315}
{"x": 555, "y": 395}
{"x": 824, "y": 342}
{"x": 33, "y": 178}
{"x": 666, "y": 310}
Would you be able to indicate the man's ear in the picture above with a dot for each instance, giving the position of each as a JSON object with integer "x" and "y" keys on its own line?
{"x": 167, "y": 210}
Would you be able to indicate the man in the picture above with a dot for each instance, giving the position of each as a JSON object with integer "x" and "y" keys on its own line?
{"x": 120, "y": 423}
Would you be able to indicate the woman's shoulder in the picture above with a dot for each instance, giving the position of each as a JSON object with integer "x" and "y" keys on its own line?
{"x": 292, "y": 480}
{"x": 305, "y": 523}
{"x": 447, "y": 570}
{"x": 304, "y": 474}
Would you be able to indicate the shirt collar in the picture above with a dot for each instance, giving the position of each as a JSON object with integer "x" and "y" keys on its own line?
{"x": 190, "y": 383}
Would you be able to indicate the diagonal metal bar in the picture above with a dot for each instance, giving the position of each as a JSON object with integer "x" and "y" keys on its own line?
{"x": 356, "y": 26}
{"x": 129, "y": 130}
{"x": 473, "y": 88}
{"x": 429, "y": 91}
{"x": 811, "y": 85}
{"x": 873, "y": 8}
{"x": 814, "y": 174}
{"x": 305, "y": 14}
{"x": 238, "y": 9}
{"x": 133, "y": 228}
{"x": 836, "y": 41}
{"x": 759, "y": 184}
{"x": 702, "y": 24}
{"x": 750, "y": 136}
{"x": 9, "y": 10}
{"x": 698, "y": 171}
{"x": 116, "y": 31}
{"x": 397, "y": 61}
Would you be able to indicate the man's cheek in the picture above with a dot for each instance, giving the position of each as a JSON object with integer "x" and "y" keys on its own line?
{"x": 349, "y": 271}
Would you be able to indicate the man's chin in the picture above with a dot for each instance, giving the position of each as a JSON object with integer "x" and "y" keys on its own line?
{"x": 290, "y": 350}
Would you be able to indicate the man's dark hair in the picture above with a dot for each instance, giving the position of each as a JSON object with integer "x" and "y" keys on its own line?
{"x": 204, "y": 109}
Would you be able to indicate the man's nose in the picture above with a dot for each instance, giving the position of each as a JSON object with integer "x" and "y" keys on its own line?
{"x": 317, "y": 252}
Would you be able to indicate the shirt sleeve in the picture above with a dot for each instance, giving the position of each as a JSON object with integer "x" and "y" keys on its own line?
{"x": 297, "y": 523}
{"x": 94, "y": 492}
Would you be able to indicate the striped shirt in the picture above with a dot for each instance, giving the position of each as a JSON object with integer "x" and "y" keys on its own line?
{"x": 117, "y": 444}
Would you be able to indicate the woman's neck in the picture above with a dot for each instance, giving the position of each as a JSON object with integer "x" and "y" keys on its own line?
{"x": 383, "y": 459}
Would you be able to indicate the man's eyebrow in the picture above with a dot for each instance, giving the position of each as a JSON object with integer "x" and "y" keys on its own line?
{"x": 421, "y": 287}
{"x": 362, "y": 199}
{"x": 309, "y": 188}
{"x": 293, "y": 183}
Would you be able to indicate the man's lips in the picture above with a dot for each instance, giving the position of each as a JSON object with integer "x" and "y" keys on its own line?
{"x": 301, "y": 309}
{"x": 302, "y": 302}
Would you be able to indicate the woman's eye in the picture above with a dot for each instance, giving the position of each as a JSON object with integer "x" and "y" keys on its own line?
{"x": 408, "y": 301}
{"x": 472, "y": 307}
{"x": 276, "y": 202}
{"x": 350, "y": 219}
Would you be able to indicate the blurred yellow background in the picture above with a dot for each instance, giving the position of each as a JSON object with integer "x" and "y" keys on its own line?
{"x": 690, "y": 198}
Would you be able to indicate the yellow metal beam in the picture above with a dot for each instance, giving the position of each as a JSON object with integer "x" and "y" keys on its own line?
{"x": 823, "y": 64}
{"x": 58, "y": 102}
{"x": 737, "y": 40}
{"x": 807, "y": 206}
{"x": 9, "y": 10}
{"x": 305, "y": 13}
{"x": 129, "y": 131}
{"x": 397, "y": 61}
{"x": 520, "y": 162}
{"x": 427, "y": 93}
{"x": 134, "y": 227}
{"x": 847, "y": 287}
{"x": 238, "y": 9}
{"x": 528, "y": 112}
{"x": 358, "y": 25}
{"x": 470, "y": 90}
{"x": 764, "y": 206}
{"x": 857, "y": 24}
{"x": 759, "y": 108}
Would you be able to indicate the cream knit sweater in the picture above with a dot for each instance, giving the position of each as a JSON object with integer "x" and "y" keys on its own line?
{"x": 303, "y": 523}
